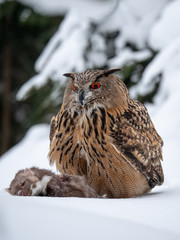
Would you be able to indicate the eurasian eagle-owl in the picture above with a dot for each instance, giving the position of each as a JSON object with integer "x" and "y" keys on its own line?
{"x": 104, "y": 135}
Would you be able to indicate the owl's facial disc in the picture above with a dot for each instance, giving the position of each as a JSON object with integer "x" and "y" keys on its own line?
{"x": 84, "y": 94}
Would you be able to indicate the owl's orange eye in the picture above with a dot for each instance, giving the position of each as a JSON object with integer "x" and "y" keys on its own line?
{"x": 75, "y": 88}
{"x": 95, "y": 85}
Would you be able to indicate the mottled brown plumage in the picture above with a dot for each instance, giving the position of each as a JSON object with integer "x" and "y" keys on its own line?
{"x": 103, "y": 134}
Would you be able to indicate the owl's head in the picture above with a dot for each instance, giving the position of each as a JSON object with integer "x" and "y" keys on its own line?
{"x": 100, "y": 87}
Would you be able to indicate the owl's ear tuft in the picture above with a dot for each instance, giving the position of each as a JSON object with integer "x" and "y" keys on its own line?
{"x": 110, "y": 71}
{"x": 69, "y": 75}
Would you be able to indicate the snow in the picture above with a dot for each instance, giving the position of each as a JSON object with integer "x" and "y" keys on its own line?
{"x": 31, "y": 151}
{"x": 90, "y": 8}
{"x": 61, "y": 54}
{"x": 73, "y": 218}
{"x": 135, "y": 19}
{"x": 167, "y": 63}
{"x": 166, "y": 29}
{"x": 127, "y": 56}
{"x": 153, "y": 216}
{"x": 65, "y": 50}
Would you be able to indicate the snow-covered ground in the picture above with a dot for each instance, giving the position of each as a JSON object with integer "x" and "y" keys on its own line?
{"x": 156, "y": 215}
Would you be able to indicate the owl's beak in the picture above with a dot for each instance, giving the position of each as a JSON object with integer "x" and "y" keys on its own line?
{"x": 81, "y": 97}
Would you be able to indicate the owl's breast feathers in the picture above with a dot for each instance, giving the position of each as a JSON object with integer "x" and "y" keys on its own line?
{"x": 118, "y": 150}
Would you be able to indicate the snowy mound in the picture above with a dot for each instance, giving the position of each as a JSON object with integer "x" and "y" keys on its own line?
{"x": 155, "y": 216}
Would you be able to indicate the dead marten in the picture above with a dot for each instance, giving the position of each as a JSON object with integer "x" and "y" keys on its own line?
{"x": 41, "y": 182}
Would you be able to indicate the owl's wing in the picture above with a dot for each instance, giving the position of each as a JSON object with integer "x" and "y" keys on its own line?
{"x": 136, "y": 137}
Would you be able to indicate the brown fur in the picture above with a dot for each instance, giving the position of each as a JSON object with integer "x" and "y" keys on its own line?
{"x": 64, "y": 185}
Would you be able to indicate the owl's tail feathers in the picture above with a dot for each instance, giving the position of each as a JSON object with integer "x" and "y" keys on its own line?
{"x": 157, "y": 176}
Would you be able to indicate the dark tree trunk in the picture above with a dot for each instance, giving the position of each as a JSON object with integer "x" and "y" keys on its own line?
{"x": 6, "y": 113}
